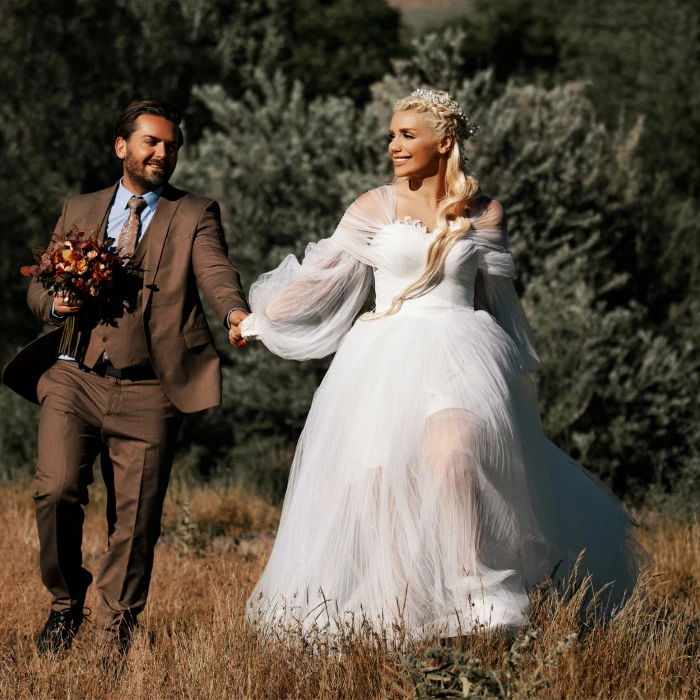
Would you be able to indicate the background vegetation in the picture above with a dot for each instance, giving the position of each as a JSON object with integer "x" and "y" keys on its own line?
{"x": 588, "y": 112}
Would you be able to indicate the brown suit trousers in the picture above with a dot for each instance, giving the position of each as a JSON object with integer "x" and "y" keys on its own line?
{"x": 133, "y": 425}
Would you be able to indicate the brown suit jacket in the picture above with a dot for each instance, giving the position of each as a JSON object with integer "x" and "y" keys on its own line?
{"x": 186, "y": 249}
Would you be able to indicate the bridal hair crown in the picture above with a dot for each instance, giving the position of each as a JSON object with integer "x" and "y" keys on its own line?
{"x": 468, "y": 128}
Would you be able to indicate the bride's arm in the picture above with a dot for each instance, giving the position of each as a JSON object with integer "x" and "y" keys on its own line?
{"x": 495, "y": 289}
{"x": 323, "y": 276}
{"x": 302, "y": 311}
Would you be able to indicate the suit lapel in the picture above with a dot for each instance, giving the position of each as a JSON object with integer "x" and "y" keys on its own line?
{"x": 158, "y": 232}
{"x": 99, "y": 208}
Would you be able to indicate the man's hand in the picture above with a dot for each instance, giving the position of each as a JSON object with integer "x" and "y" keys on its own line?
{"x": 61, "y": 307}
{"x": 234, "y": 321}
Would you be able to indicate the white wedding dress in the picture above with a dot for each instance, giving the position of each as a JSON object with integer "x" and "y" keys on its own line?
{"x": 423, "y": 489}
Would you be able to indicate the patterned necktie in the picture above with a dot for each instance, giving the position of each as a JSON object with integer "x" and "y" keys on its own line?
{"x": 129, "y": 235}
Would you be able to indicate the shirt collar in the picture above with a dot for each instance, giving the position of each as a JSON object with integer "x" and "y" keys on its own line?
{"x": 121, "y": 201}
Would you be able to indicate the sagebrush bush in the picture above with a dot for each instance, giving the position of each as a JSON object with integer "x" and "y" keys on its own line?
{"x": 590, "y": 232}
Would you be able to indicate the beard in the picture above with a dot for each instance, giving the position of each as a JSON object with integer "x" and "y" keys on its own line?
{"x": 143, "y": 175}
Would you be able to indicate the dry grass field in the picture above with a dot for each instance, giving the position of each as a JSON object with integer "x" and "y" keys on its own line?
{"x": 194, "y": 641}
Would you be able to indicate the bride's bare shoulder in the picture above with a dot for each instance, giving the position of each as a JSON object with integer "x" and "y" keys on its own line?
{"x": 486, "y": 211}
{"x": 375, "y": 203}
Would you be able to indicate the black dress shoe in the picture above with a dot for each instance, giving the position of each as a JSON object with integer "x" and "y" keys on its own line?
{"x": 59, "y": 631}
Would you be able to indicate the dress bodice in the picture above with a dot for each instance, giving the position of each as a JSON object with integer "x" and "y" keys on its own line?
{"x": 400, "y": 251}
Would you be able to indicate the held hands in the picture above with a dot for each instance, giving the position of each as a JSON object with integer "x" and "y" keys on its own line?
{"x": 235, "y": 319}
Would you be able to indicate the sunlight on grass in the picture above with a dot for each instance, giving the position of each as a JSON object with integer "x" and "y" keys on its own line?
{"x": 195, "y": 642}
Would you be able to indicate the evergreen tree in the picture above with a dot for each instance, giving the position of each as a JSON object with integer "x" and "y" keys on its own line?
{"x": 68, "y": 69}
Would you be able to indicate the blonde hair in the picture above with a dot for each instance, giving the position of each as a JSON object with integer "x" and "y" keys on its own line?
{"x": 461, "y": 189}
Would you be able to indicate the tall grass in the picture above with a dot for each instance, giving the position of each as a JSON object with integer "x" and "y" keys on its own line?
{"x": 194, "y": 640}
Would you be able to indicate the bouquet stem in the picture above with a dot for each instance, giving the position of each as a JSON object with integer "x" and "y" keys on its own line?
{"x": 69, "y": 338}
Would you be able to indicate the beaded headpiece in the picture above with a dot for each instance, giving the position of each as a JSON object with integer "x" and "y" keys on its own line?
{"x": 468, "y": 129}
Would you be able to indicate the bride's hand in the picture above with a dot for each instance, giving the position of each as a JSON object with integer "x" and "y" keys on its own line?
{"x": 235, "y": 338}
{"x": 235, "y": 334}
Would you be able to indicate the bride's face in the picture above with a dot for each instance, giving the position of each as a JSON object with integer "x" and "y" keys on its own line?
{"x": 413, "y": 146}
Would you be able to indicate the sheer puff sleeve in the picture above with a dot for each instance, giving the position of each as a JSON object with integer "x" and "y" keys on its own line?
{"x": 497, "y": 291}
{"x": 303, "y": 310}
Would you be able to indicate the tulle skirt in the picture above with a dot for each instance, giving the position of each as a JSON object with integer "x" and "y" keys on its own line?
{"x": 424, "y": 493}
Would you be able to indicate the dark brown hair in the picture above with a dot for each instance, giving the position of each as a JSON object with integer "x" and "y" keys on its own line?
{"x": 126, "y": 124}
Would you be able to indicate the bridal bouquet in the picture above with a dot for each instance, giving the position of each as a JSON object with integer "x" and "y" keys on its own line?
{"x": 77, "y": 267}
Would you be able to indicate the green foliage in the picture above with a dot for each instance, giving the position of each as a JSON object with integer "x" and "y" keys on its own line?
{"x": 68, "y": 69}
{"x": 617, "y": 384}
{"x": 588, "y": 116}
{"x": 18, "y": 434}
{"x": 342, "y": 47}
{"x": 641, "y": 58}
{"x": 283, "y": 169}
{"x": 637, "y": 57}
{"x": 331, "y": 46}
{"x": 515, "y": 38}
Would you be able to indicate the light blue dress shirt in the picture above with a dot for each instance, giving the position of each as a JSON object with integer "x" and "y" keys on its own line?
{"x": 119, "y": 212}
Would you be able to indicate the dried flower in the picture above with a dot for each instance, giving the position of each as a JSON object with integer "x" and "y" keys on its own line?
{"x": 75, "y": 268}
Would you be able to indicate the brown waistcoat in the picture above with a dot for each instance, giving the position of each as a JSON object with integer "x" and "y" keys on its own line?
{"x": 122, "y": 340}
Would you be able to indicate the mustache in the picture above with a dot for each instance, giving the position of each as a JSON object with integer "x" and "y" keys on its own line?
{"x": 156, "y": 161}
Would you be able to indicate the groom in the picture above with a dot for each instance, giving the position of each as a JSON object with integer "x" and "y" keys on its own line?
{"x": 125, "y": 395}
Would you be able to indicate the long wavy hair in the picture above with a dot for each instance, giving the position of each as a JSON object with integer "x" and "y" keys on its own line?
{"x": 461, "y": 189}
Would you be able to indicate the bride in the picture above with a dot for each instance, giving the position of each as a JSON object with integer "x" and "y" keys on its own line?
{"x": 423, "y": 491}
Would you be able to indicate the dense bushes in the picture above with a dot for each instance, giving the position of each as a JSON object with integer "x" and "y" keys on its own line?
{"x": 604, "y": 239}
{"x": 617, "y": 386}
{"x": 68, "y": 69}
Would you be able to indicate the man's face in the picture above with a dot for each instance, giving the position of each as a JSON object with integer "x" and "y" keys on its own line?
{"x": 150, "y": 154}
